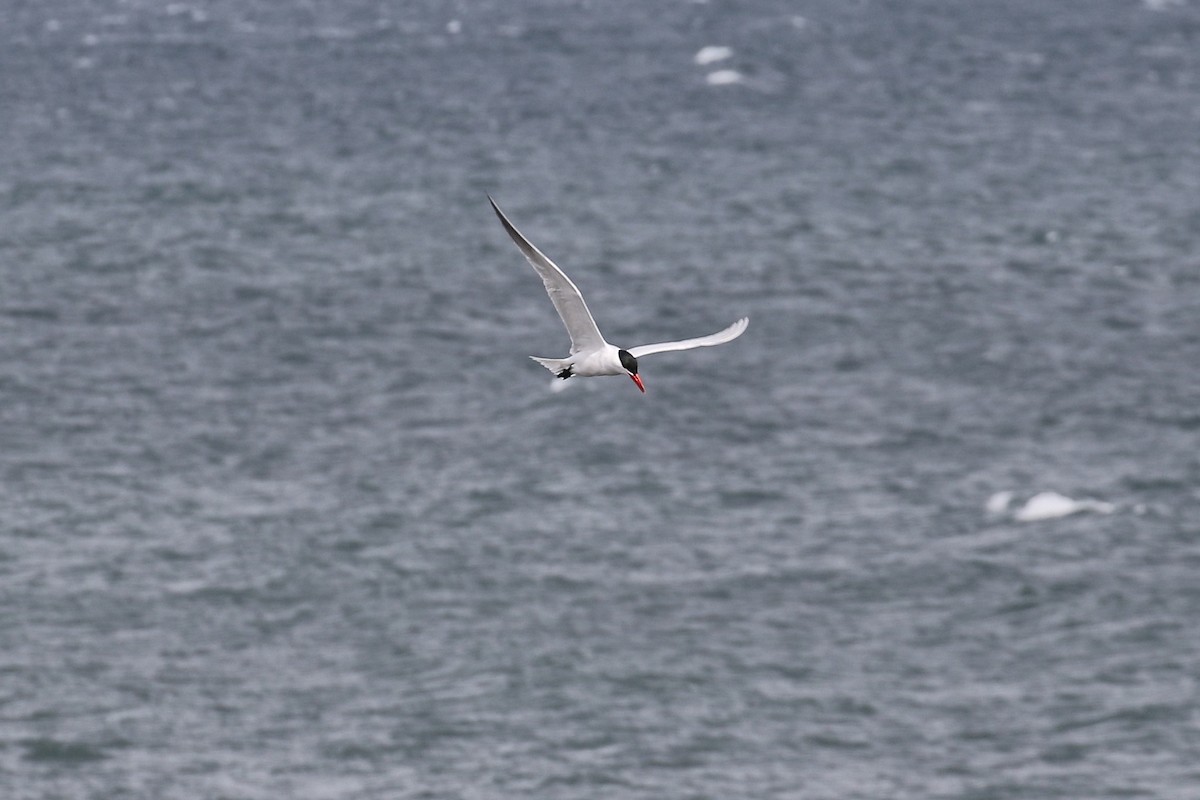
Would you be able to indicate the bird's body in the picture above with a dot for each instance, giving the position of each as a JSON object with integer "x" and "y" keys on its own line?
{"x": 591, "y": 355}
{"x": 593, "y": 363}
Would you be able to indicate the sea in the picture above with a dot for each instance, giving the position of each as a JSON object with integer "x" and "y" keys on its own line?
{"x": 286, "y": 511}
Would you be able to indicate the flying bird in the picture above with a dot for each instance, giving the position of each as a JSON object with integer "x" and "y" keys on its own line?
{"x": 591, "y": 354}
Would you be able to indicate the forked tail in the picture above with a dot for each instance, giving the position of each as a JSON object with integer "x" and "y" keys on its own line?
{"x": 561, "y": 367}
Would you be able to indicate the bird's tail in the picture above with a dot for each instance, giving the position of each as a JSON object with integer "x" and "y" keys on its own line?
{"x": 559, "y": 366}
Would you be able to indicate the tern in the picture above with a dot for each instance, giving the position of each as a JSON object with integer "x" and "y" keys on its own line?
{"x": 591, "y": 354}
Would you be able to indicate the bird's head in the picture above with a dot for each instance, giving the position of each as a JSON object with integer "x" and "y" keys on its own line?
{"x": 630, "y": 365}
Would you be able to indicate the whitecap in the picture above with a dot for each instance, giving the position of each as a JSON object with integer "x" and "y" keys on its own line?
{"x": 1052, "y": 505}
{"x": 712, "y": 54}
{"x": 723, "y": 77}
{"x": 999, "y": 502}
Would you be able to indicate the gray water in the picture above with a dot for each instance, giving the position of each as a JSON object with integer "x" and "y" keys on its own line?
{"x": 288, "y": 513}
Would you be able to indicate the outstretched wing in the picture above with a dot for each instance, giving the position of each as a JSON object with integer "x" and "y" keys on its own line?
{"x": 721, "y": 337}
{"x": 563, "y": 292}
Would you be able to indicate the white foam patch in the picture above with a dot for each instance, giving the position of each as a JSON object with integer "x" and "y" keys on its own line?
{"x": 712, "y": 54}
{"x": 723, "y": 77}
{"x": 999, "y": 502}
{"x": 1052, "y": 505}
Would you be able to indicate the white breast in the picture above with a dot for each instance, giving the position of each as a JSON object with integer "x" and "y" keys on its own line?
{"x": 604, "y": 361}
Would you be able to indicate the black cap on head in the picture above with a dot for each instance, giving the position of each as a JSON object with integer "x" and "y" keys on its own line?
{"x": 628, "y": 361}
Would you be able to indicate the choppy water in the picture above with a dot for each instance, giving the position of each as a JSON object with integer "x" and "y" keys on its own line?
{"x": 287, "y": 512}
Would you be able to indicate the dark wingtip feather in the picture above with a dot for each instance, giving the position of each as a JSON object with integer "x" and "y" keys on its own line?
{"x": 513, "y": 233}
{"x": 495, "y": 207}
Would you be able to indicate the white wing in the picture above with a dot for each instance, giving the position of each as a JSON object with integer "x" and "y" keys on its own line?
{"x": 728, "y": 335}
{"x": 563, "y": 293}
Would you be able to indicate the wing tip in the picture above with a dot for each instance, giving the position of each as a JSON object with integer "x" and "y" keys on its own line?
{"x": 513, "y": 233}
